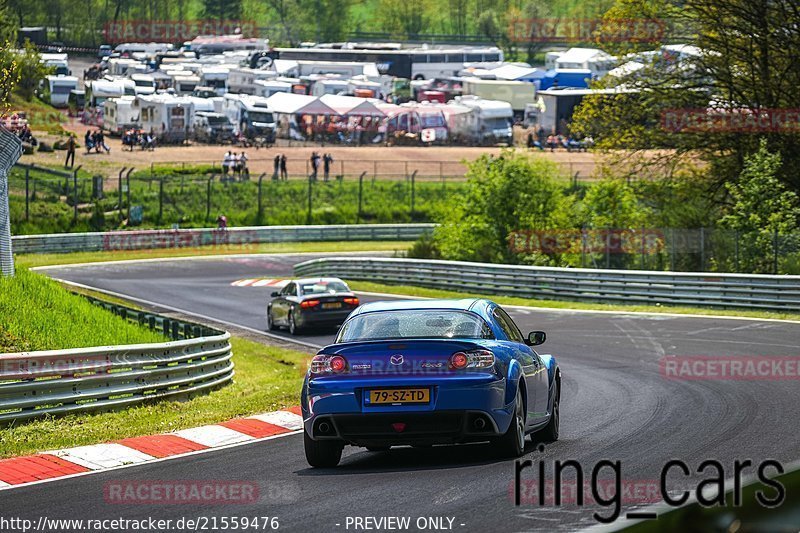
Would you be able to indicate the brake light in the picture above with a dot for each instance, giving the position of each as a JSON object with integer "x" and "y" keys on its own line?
{"x": 325, "y": 364}
{"x": 479, "y": 358}
{"x": 309, "y": 303}
{"x": 351, "y": 301}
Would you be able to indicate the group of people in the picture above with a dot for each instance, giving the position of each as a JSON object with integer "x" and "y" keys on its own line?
{"x": 553, "y": 141}
{"x": 280, "y": 171}
{"x": 326, "y": 159}
{"x": 136, "y": 137}
{"x": 235, "y": 164}
{"x": 95, "y": 141}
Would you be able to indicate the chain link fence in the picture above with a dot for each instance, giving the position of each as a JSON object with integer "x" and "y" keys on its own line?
{"x": 10, "y": 151}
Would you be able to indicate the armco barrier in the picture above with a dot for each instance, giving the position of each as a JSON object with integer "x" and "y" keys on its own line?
{"x": 751, "y": 291}
{"x": 191, "y": 238}
{"x": 58, "y": 382}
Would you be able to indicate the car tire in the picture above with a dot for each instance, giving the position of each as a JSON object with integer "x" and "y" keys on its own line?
{"x": 512, "y": 443}
{"x": 322, "y": 453}
{"x": 270, "y": 322}
{"x": 549, "y": 433}
{"x": 378, "y": 448}
{"x": 293, "y": 329}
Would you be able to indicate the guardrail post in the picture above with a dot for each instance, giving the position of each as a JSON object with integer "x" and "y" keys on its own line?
{"x": 260, "y": 215}
{"x": 27, "y": 197}
{"x": 208, "y": 198}
{"x": 160, "y": 198}
{"x": 360, "y": 195}
{"x": 119, "y": 192}
{"x": 75, "y": 193}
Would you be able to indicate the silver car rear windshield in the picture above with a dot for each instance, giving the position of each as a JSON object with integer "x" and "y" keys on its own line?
{"x": 414, "y": 324}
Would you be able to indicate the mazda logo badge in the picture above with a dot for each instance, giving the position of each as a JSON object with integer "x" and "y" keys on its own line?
{"x": 396, "y": 359}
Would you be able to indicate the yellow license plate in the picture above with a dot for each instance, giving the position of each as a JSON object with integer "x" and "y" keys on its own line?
{"x": 399, "y": 396}
{"x": 334, "y": 305}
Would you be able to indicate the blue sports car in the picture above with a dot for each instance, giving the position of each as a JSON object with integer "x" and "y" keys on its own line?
{"x": 424, "y": 372}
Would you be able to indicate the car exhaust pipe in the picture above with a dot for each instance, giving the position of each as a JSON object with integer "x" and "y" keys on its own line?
{"x": 324, "y": 427}
{"x": 479, "y": 423}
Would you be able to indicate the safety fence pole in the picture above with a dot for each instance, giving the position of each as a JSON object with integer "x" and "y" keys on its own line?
{"x": 10, "y": 151}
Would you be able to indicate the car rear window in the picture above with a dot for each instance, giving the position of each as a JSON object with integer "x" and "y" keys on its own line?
{"x": 323, "y": 287}
{"x": 416, "y": 323}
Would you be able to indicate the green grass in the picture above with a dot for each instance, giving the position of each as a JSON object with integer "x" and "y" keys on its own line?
{"x": 267, "y": 378}
{"x": 185, "y": 197}
{"x": 37, "y": 260}
{"x": 408, "y": 290}
{"x": 41, "y": 116}
{"x": 37, "y": 314}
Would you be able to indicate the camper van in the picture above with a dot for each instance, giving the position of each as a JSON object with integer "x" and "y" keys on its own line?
{"x": 144, "y": 83}
{"x": 98, "y": 91}
{"x": 166, "y": 115}
{"x": 215, "y": 77}
{"x": 59, "y": 88}
{"x": 211, "y": 127}
{"x": 184, "y": 82}
{"x": 119, "y": 114}
{"x": 417, "y": 124}
{"x": 490, "y": 122}
{"x": 242, "y": 80}
{"x": 149, "y": 49}
{"x": 329, "y": 86}
{"x": 59, "y": 62}
{"x": 251, "y": 116}
{"x": 266, "y": 88}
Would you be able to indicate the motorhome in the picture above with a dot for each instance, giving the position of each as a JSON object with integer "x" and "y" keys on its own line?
{"x": 184, "y": 82}
{"x": 166, "y": 115}
{"x": 98, "y": 91}
{"x": 516, "y": 93}
{"x": 242, "y": 80}
{"x": 598, "y": 62}
{"x": 251, "y": 116}
{"x": 145, "y": 83}
{"x": 211, "y": 127}
{"x": 149, "y": 49}
{"x": 119, "y": 114}
{"x": 124, "y": 66}
{"x": 414, "y": 123}
{"x": 76, "y": 101}
{"x": 359, "y": 86}
{"x": 491, "y": 121}
{"x": 266, "y": 88}
{"x": 329, "y": 86}
{"x": 59, "y": 62}
{"x": 215, "y": 77}
{"x": 206, "y": 45}
{"x": 59, "y": 88}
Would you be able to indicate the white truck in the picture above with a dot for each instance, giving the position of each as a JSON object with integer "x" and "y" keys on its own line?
{"x": 59, "y": 88}
{"x": 119, "y": 115}
{"x": 251, "y": 117}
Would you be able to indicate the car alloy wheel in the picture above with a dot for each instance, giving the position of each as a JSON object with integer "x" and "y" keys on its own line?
{"x": 512, "y": 442}
{"x": 292, "y": 324}
{"x": 270, "y": 322}
{"x": 519, "y": 420}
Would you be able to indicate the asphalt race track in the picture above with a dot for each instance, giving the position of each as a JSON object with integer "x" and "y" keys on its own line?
{"x": 616, "y": 406}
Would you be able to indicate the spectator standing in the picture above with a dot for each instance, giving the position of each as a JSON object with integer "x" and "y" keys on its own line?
{"x": 89, "y": 142}
{"x": 277, "y": 167}
{"x": 70, "y": 161}
{"x": 222, "y": 222}
{"x": 243, "y": 170}
{"x": 226, "y": 162}
{"x": 326, "y": 162}
{"x": 284, "y": 173}
{"x": 314, "y": 165}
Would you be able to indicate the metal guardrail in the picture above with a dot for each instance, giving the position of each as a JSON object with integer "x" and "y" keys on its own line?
{"x": 750, "y": 291}
{"x": 192, "y": 238}
{"x": 57, "y": 382}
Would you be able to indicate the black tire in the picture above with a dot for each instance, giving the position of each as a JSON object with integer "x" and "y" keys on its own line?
{"x": 549, "y": 433}
{"x": 378, "y": 448}
{"x": 293, "y": 329}
{"x": 512, "y": 443}
{"x": 270, "y": 323}
{"x": 322, "y": 453}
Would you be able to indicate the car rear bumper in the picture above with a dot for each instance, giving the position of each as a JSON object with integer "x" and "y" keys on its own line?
{"x": 322, "y": 318}
{"x": 456, "y": 405}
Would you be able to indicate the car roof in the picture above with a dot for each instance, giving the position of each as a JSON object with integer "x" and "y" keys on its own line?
{"x": 303, "y": 281}
{"x": 464, "y": 304}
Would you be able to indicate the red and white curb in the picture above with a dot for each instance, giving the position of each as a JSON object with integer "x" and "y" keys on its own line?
{"x": 56, "y": 464}
{"x": 260, "y": 282}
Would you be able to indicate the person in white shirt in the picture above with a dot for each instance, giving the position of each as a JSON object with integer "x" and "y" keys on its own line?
{"x": 226, "y": 163}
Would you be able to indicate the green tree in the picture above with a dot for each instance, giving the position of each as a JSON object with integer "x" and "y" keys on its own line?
{"x": 31, "y": 71}
{"x": 222, "y": 9}
{"x": 762, "y": 208}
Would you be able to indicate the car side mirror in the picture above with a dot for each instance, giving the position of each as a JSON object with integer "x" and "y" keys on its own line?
{"x": 275, "y": 294}
{"x": 535, "y": 338}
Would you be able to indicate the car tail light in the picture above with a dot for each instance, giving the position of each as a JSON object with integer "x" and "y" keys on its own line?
{"x": 326, "y": 364}
{"x": 351, "y": 301}
{"x": 479, "y": 358}
{"x": 309, "y": 303}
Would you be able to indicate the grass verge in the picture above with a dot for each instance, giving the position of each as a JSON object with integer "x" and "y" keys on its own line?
{"x": 267, "y": 378}
{"x": 37, "y": 260}
{"x": 408, "y": 290}
{"x": 37, "y": 314}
